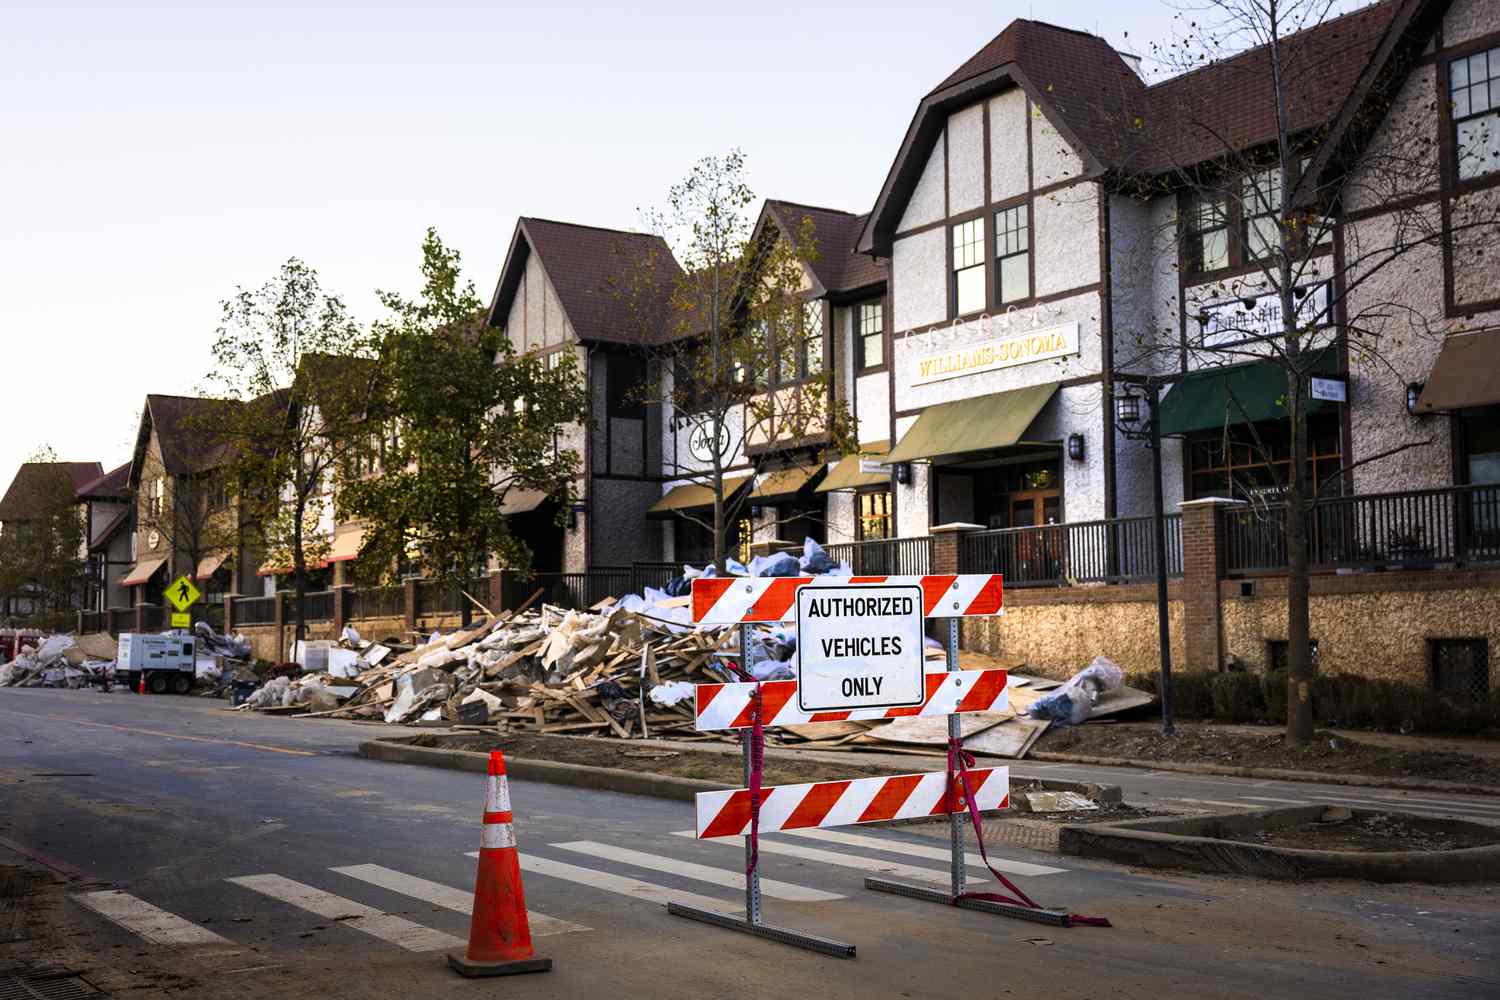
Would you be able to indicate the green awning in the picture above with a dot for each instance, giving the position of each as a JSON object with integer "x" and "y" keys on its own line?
{"x": 976, "y": 424}
{"x": 784, "y": 482}
{"x": 847, "y": 475}
{"x": 691, "y": 496}
{"x": 1204, "y": 400}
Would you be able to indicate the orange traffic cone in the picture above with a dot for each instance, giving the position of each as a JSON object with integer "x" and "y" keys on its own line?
{"x": 499, "y": 933}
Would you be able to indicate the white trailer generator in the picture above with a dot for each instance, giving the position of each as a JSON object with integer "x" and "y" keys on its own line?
{"x": 169, "y": 662}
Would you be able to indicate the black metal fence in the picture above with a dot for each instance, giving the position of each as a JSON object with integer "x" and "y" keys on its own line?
{"x": 375, "y": 602}
{"x": 318, "y": 606}
{"x": 1118, "y": 550}
{"x": 255, "y": 610}
{"x": 885, "y": 556}
{"x": 93, "y": 621}
{"x": 1453, "y": 526}
{"x": 151, "y": 618}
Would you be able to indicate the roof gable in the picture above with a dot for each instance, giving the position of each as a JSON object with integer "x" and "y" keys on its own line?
{"x": 595, "y": 274}
{"x": 837, "y": 268}
{"x": 1119, "y": 124}
{"x": 34, "y": 480}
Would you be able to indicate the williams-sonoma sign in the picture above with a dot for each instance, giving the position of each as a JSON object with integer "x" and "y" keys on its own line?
{"x": 997, "y": 352}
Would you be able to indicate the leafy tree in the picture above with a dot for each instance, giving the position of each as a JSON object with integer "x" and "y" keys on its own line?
{"x": 303, "y": 369}
{"x": 744, "y": 360}
{"x": 41, "y": 545}
{"x": 469, "y": 421}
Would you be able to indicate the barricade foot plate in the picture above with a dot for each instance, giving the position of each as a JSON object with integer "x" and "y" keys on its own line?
{"x": 476, "y": 970}
{"x": 733, "y": 922}
{"x": 1055, "y": 918}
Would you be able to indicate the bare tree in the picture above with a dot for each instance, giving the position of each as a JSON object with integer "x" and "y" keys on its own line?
{"x": 1322, "y": 227}
{"x": 739, "y": 347}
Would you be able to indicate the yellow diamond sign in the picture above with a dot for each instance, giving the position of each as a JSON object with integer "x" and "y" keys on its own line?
{"x": 181, "y": 593}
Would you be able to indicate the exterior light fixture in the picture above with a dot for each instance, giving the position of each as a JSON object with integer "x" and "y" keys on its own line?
{"x": 579, "y": 507}
{"x": 1075, "y": 447}
{"x": 1128, "y": 409}
{"x": 903, "y": 473}
{"x": 1413, "y": 396}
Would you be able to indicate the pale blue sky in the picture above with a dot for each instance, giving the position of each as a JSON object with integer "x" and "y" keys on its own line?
{"x": 152, "y": 157}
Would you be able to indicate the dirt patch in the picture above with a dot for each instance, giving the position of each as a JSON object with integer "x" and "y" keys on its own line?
{"x": 703, "y": 764}
{"x": 1374, "y": 832}
{"x": 1328, "y": 753}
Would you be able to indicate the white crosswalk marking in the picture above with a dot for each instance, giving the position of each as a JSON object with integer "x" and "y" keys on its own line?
{"x": 1267, "y": 798}
{"x": 396, "y": 930}
{"x": 876, "y": 865}
{"x": 921, "y": 851}
{"x": 146, "y": 921}
{"x": 617, "y": 884}
{"x": 1444, "y": 803}
{"x": 446, "y": 896}
{"x": 703, "y": 873}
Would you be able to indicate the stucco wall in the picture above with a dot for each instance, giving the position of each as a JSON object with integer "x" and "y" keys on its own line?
{"x": 840, "y": 517}
{"x": 1066, "y": 238}
{"x": 912, "y": 518}
{"x": 1467, "y": 19}
{"x": 1052, "y": 159}
{"x": 919, "y": 265}
{"x": 927, "y": 201}
{"x": 872, "y": 394}
{"x": 1008, "y": 173}
{"x": 966, "y": 159}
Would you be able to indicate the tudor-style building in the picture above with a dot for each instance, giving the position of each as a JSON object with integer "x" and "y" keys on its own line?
{"x": 602, "y": 294}
{"x": 1028, "y": 269}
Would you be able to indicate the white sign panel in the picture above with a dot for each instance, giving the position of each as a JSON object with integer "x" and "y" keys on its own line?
{"x": 1255, "y": 318}
{"x": 859, "y": 646}
{"x": 873, "y": 467}
{"x": 1334, "y": 390}
{"x": 1001, "y": 350}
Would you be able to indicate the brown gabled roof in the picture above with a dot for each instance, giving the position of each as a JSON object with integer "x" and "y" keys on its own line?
{"x": 184, "y": 427}
{"x": 600, "y": 276}
{"x": 837, "y": 267}
{"x": 1229, "y": 102}
{"x": 1115, "y": 122}
{"x": 29, "y": 491}
{"x": 112, "y": 485}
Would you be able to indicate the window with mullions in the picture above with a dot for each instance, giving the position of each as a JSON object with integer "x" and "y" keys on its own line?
{"x": 874, "y": 520}
{"x": 870, "y": 333}
{"x": 812, "y": 338}
{"x": 1236, "y": 467}
{"x": 968, "y": 267}
{"x": 1208, "y": 232}
{"x": 1474, "y": 93}
{"x": 1012, "y": 254}
{"x": 1260, "y": 205}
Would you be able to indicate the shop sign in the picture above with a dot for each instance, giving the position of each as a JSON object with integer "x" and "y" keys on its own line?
{"x": 701, "y": 441}
{"x": 1256, "y": 317}
{"x": 1333, "y": 390}
{"x": 1000, "y": 350}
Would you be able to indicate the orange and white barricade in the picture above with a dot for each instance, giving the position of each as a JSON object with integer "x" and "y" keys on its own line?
{"x": 751, "y": 706}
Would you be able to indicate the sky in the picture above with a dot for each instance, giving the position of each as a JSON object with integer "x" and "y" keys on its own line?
{"x": 154, "y": 158}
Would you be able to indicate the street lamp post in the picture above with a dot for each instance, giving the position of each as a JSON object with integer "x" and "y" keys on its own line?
{"x": 1127, "y": 416}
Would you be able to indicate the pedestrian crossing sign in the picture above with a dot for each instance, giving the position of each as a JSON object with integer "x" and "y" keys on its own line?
{"x": 181, "y": 593}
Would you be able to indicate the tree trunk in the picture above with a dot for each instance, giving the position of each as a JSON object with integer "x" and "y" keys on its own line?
{"x": 1299, "y": 716}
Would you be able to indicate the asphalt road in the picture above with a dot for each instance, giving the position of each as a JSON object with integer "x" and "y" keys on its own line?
{"x": 265, "y": 859}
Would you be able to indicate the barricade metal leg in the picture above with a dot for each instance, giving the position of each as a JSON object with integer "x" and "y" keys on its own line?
{"x": 957, "y": 861}
{"x": 751, "y": 922}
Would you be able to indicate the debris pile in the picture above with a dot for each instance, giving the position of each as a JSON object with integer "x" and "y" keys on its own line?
{"x": 610, "y": 670}
{"x": 60, "y": 661}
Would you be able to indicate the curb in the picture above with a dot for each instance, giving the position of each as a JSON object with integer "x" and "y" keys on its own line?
{"x": 1273, "y": 773}
{"x": 662, "y": 786}
{"x": 1148, "y": 844}
{"x": 604, "y": 779}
